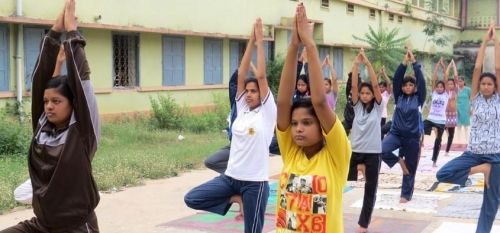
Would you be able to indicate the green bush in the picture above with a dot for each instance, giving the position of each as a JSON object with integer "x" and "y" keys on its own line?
{"x": 15, "y": 137}
{"x": 167, "y": 114}
{"x": 274, "y": 69}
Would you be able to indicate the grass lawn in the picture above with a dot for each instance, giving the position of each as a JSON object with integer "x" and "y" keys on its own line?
{"x": 129, "y": 153}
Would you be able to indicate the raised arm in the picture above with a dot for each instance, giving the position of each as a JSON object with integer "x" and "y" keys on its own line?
{"x": 435, "y": 74}
{"x": 387, "y": 80}
{"x": 398, "y": 78}
{"x": 421, "y": 90}
{"x": 44, "y": 68}
{"x": 325, "y": 115}
{"x": 497, "y": 59}
{"x": 354, "y": 80}
{"x": 479, "y": 62}
{"x": 245, "y": 63}
{"x": 84, "y": 103}
{"x": 260, "y": 72}
{"x": 59, "y": 62}
{"x": 287, "y": 81}
{"x": 333, "y": 74}
{"x": 373, "y": 77}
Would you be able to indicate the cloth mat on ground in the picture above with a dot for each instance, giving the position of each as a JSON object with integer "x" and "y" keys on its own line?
{"x": 465, "y": 206}
{"x": 209, "y": 222}
{"x": 420, "y": 203}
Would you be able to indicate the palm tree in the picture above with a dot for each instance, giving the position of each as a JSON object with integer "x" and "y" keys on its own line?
{"x": 385, "y": 48}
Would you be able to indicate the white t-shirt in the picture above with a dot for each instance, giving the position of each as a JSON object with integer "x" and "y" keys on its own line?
{"x": 437, "y": 113}
{"x": 252, "y": 134}
{"x": 385, "y": 100}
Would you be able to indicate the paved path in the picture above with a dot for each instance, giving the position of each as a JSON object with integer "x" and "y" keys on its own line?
{"x": 149, "y": 208}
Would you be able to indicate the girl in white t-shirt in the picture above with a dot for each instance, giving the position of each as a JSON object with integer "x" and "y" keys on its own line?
{"x": 437, "y": 113}
{"x": 245, "y": 180}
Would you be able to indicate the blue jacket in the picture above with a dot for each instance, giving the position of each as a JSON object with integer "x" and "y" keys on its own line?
{"x": 407, "y": 119}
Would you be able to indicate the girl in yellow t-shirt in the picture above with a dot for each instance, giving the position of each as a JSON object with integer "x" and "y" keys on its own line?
{"x": 314, "y": 146}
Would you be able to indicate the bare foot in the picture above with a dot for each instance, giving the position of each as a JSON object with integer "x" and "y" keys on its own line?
{"x": 484, "y": 168}
{"x": 446, "y": 154}
{"x": 403, "y": 200}
{"x": 361, "y": 230}
{"x": 237, "y": 199}
{"x": 434, "y": 164}
{"x": 362, "y": 168}
{"x": 403, "y": 167}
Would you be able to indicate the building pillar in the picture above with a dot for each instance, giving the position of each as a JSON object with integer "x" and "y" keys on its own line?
{"x": 463, "y": 14}
{"x": 498, "y": 13}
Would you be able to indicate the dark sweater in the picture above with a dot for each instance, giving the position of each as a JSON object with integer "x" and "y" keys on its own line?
{"x": 407, "y": 119}
{"x": 64, "y": 190}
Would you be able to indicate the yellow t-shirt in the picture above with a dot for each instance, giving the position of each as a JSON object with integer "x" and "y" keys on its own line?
{"x": 310, "y": 191}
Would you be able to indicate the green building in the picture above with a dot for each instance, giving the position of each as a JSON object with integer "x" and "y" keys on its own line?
{"x": 137, "y": 49}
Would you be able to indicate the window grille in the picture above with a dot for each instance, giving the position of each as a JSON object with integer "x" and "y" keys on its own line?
{"x": 125, "y": 60}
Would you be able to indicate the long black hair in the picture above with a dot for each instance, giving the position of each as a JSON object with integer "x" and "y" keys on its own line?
{"x": 368, "y": 107}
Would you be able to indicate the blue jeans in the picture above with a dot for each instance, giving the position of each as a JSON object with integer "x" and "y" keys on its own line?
{"x": 214, "y": 195}
{"x": 457, "y": 170}
{"x": 409, "y": 148}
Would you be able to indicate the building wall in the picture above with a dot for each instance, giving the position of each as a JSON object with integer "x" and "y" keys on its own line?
{"x": 223, "y": 19}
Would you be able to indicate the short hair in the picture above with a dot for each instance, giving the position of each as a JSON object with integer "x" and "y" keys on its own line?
{"x": 60, "y": 84}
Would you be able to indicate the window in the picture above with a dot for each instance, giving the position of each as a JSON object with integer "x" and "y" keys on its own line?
{"x": 338, "y": 62}
{"x": 237, "y": 49}
{"x": 421, "y": 3}
{"x": 32, "y": 39}
{"x": 173, "y": 61}
{"x": 391, "y": 17}
{"x": 400, "y": 18}
{"x": 4, "y": 59}
{"x": 212, "y": 61}
{"x": 372, "y": 14}
{"x": 350, "y": 9}
{"x": 325, "y": 3}
{"x": 323, "y": 51}
{"x": 125, "y": 59}
{"x": 456, "y": 5}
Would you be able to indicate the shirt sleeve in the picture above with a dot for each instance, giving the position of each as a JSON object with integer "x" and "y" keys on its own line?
{"x": 339, "y": 148}
{"x": 270, "y": 115}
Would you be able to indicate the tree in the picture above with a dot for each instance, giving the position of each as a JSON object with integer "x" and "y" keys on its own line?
{"x": 434, "y": 25}
{"x": 386, "y": 48}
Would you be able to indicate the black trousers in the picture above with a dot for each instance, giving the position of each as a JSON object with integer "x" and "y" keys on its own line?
{"x": 372, "y": 164}
{"x": 451, "y": 135}
{"x": 428, "y": 125}
{"x": 34, "y": 226}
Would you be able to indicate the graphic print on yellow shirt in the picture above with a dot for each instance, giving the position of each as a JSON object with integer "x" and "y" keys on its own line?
{"x": 309, "y": 194}
{"x": 302, "y": 203}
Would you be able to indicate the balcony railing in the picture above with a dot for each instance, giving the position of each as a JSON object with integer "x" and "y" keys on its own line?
{"x": 481, "y": 21}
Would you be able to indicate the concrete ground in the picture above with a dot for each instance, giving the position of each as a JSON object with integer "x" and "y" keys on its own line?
{"x": 144, "y": 208}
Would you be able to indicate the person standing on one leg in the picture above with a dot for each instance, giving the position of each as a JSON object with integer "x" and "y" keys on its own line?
{"x": 366, "y": 125}
{"x": 483, "y": 151}
{"x": 409, "y": 96}
{"x": 451, "y": 109}
{"x": 245, "y": 180}
{"x": 437, "y": 113}
{"x": 315, "y": 148}
{"x": 64, "y": 111}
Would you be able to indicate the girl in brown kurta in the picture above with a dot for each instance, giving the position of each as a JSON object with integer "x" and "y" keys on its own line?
{"x": 65, "y": 137}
